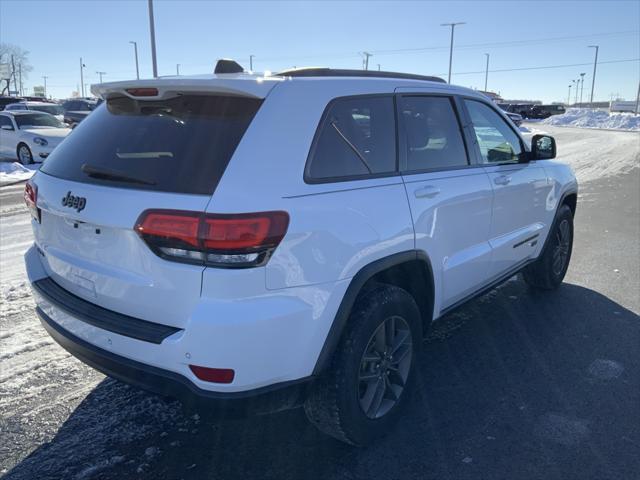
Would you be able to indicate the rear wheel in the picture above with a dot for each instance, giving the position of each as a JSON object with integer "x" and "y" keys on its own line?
{"x": 549, "y": 270}
{"x": 371, "y": 373}
{"x": 24, "y": 154}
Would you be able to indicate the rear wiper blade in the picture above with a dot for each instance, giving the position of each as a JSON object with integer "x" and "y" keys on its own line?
{"x": 108, "y": 174}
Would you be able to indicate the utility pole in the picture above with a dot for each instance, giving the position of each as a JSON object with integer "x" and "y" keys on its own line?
{"x": 453, "y": 26}
{"x": 135, "y": 51}
{"x": 577, "y": 85}
{"x": 581, "y": 86}
{"x": 13, "y": 72}
{"x": 595, "y": 64}
{"x": 569, "y": 96}
{"x": 101, "y": 74}
{"x": 251, "y": 62}
{"x": 486, "y": 73}
{"x": 20, "y": 75}
{"x": 366, "y": 59}
{"x": 82, "y": 76}
{"x": 638, "y": 100}
{"x": 177, "y": 69}
{"x": 45, "y": 85}
{"x": 152, "y": 31}
{"x": 378, "y": 67}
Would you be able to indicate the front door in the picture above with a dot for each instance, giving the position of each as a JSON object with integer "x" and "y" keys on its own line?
{"x": 520, "y": 189}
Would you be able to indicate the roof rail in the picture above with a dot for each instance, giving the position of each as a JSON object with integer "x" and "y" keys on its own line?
{"x": 339, "y": 72}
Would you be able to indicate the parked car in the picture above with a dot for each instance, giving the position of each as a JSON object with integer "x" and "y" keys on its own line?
{"x": 50, "y": 108}
{"x": 515, "y": 118}
{"x": 522, "y": 109}
{"x": 29, "y": 136}
{"x": 545, "y": 111}
{"x": 256, "y": 243}
{"x": 77, "y": 109}
{"x": 4, "y": 101}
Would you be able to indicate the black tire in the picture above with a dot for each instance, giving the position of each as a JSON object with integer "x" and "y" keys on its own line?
{"x": 549, "y": 270}
{"x": 335, "y": 405}
{"x": 28, "y": 158}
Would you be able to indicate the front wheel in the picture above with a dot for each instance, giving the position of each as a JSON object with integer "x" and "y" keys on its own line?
{"x": 548, "y": 271}
{"x": 371, "y": 373}
{"x": 24, "y": 154}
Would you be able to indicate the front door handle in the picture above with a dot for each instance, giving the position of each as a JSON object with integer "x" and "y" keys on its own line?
{"x": 428, "y": 191}
{"x": 502, "y": 180}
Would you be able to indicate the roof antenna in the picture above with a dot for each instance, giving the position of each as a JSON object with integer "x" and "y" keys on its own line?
{"x": 226, "y": 65}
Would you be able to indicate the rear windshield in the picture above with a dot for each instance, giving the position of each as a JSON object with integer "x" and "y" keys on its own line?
{"x": 52, "y": 109}
{"x": 181, "y": 145}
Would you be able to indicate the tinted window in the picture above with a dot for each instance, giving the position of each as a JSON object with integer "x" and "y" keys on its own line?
{"x": 181, "y": 144}
{"x": 4, "y": 120}
{"x": 357, "y": 137}
{"x": 51, "y": 109}
{"x": 432, "y": 133}
{"x": 37, "y": 120}
{"x": 497, "y": 141}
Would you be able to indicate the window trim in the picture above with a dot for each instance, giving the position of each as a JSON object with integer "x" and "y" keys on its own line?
{"x": 471, "y": 161}
{"x": 350, "y": 178}
{"x": 524, "y": 157}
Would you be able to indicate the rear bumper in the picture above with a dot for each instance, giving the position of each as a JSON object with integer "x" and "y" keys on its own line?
{"x": 164, "y": 382}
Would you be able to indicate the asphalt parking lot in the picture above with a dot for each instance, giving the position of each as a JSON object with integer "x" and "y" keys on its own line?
{"x": 514, "y": 385}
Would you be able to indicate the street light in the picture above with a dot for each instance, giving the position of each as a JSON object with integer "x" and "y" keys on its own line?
{"x": 251, "y": 62}
{"x": 575, "y": 83}
{"x": 101, "y": 74}
{"x": 178, "y": 69}
{"x": 595, "y": 64}
{"x": 569, "y": 96}
{"x": 453, "y": 26}
{"x": 152, "y": 32}
{"x": 581, "y": 86}
{"x": 82, "y": 65}
{"x": 135, "y": 51}
{"x": 45, "y": 85}
{"x": 486, "y": 73}
{"x": 366, "y": 59}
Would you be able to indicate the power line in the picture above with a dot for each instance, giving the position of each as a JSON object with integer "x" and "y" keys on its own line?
{"x": 542, "y": 67}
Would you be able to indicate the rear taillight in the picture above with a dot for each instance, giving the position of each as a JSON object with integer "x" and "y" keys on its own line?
{"x": 220, "y": 240}
{"x": 31, "y": 199}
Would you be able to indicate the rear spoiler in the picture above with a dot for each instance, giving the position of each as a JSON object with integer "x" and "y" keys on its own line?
{"x": 241, "y": 84}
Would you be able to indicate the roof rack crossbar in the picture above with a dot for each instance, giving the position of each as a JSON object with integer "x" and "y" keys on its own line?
{"x": 339, "y": 72}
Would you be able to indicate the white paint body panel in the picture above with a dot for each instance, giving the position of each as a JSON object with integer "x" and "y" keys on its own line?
{"x": 270, "y": 323}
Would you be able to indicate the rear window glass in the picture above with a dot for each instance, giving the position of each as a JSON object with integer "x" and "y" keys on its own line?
{"x": 357, "y": 138}
{"x": 180, "y": 145}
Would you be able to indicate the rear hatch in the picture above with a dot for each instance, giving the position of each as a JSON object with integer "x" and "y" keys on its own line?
{"x": 132, "y": 155}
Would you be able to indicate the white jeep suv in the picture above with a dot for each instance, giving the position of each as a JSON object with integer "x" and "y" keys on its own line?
{"x": 257, "y": 242}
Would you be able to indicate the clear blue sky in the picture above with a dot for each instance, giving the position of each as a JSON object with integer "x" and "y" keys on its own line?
{"x": 283, "y": 34}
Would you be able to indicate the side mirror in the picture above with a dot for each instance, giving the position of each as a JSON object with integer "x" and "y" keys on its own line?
{"x": 543, "y": 147}
{"x": 7, "y": 127}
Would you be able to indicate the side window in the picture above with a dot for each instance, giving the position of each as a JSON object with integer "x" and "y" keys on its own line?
{"x": 5, "y": 121}
{"x": 432, "y": 132}
{"x": 357, "y": 137}
{"x": 497, "y": 142}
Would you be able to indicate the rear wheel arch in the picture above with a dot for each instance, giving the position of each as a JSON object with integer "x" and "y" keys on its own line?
{"x": 410, "y": 270}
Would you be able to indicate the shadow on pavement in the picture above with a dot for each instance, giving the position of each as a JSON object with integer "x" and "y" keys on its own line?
{"x": 515, "y": 385}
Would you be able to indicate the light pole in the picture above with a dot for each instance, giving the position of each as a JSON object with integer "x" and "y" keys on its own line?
{"x": 453, "y": 26}
{"x": 251, "y": 62}
{"x": 595, "y": 64}
{"x": 101, "y": 74}
{"x": 178, "y": 69}
{"x": 577, "y": 85}
{"x": 366, "y": 59}
{"x": 152, "y": 31}
{"x": 378, "y": 67}
{"x": 45, "y": 85}
{"x": 569, "y": 96}
{"x": 82, "y": 65}
{"x": 135, "y": 51}
{"x": 486, "y": 73}
{"x": 581, "y": 86}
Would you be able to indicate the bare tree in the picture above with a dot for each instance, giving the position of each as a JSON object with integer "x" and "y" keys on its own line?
{"x": 18, "y": 60}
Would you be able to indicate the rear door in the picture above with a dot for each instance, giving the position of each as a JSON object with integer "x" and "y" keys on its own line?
{"x": 128, "y": 157}
{"x": 8, "y": 140}
{"x": 520, "y": 188}
{"x": 450, "y": 196}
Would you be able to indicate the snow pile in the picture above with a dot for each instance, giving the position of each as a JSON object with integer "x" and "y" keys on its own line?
{"x": 590, "y": 118}
{"x": 15, "y": 172}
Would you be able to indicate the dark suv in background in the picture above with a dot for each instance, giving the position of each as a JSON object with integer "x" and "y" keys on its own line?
{"x": 545, "y": 111}
{"x": 77, "y": 109}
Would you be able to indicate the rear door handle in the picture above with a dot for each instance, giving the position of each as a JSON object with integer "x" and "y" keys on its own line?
{"x": 502, "y": 180}
{"x": 428, "y": 191}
